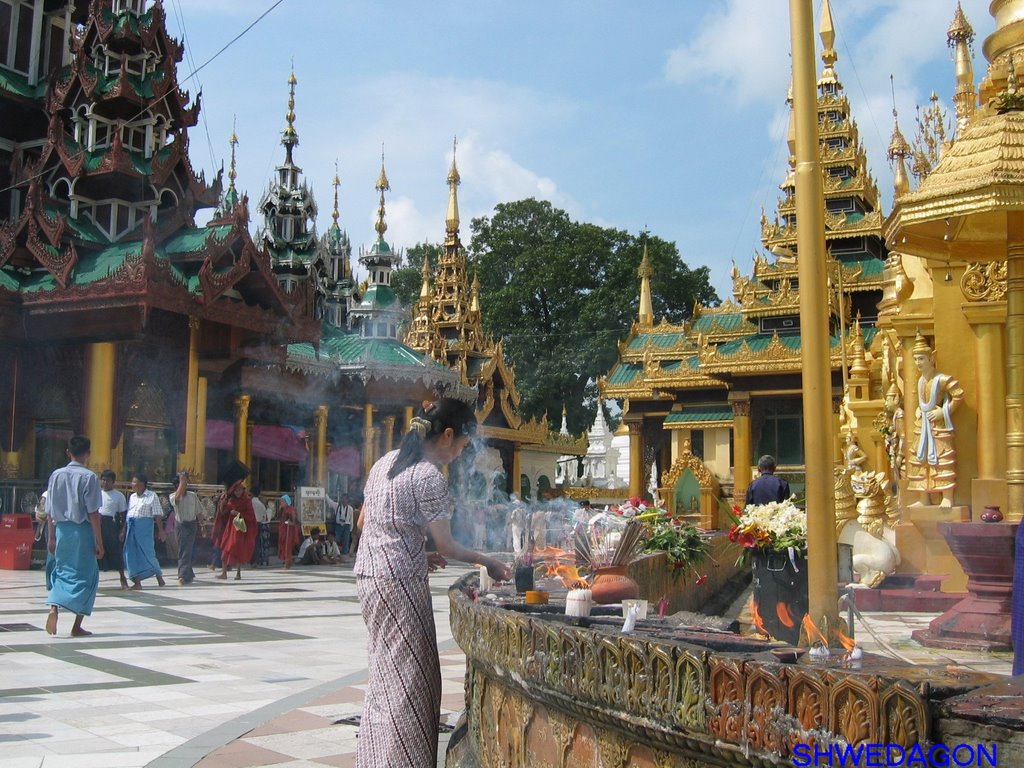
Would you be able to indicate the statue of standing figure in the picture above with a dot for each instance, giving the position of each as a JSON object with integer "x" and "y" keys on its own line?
{"x": 932, "y": 463}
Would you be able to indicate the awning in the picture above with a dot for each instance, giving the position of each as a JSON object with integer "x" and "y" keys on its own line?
{"x": 269, "y": 441}
{"x": 345, "y": 461}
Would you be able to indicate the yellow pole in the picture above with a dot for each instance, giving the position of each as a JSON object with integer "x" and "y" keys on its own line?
{"x": 320, "y": 458}
{"x": 201, "y": 391}
{"x": 636, "y": 458}
{"x": 517, "y": 473}
{"x": 991, "y": 408}
{"x": 367, "y": 440}
{"x": 242, "y": 428}
{"x": 100, "y": 368}
{"x": 187, "y": 460}
{"x": 1015, "y": 367}
{"x": 389, "y": 433}
{"x": 743, "y": 449}
{"x": 817, "y": 374}
{"x": 407, "y": 419}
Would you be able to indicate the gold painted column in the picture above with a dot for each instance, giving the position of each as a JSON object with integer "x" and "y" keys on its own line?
{"x": 742, "y": 447}
{"x": 822, "y": 560}
{"x": 320, "y": 448}
{"x": 10, "y": 461}
{"x": 389, "y": 433}
{"x": 242, "y": 444}
{"x": 990, "y": 357}
{"x": 407, "y": 418}
{"x": 637, "y": 481}
{"x": 1015, "y": 366}
{"x": 367, "y": 440}
{"x": 100, "y": 370}
{"x": 201, "y": 393}
{"x": 187, "y": 460}
{"x": 517, "y": 473}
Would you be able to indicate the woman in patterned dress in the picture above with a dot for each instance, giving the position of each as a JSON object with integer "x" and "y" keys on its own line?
{"x": 406, "y": 498}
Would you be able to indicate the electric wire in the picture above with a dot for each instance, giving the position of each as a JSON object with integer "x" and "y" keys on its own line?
{"x": 180, "y": 14}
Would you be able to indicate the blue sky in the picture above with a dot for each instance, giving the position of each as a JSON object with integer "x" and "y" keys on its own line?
{"x": 664, "y": 114}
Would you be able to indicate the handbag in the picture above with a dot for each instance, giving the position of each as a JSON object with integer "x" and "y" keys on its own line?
{"x": 239, "y": 522}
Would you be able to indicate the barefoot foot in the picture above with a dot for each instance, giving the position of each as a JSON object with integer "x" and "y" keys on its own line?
{"x": 79, "y": 632}
{"x": 51, "y": 621}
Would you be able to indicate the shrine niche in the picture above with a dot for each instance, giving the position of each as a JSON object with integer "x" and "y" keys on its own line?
{"x": 149, "y": 437}
{"x": 690, "y": 491}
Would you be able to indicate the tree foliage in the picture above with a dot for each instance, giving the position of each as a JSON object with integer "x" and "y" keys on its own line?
{"x": 560, "y": 294}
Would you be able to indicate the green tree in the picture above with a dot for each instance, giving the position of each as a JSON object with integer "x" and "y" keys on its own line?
{"x": 560, "y": 294}
{"x": 407, "y": 280}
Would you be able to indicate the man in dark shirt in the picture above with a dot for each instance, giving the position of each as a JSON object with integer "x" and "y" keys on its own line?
{"x": 767, "y": 488}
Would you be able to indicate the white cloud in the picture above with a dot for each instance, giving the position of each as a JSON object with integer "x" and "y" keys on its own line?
{"x": 738, "y": 52}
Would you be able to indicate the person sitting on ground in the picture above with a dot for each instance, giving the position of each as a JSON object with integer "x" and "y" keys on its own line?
{"x": 331, "y": 550}
{"x": 767, "y": 487}
{"x": 311, "y": 551}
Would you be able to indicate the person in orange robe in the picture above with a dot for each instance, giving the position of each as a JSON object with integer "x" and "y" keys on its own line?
{"x": 238, "y": 540}
{"x": 289, "y": 531}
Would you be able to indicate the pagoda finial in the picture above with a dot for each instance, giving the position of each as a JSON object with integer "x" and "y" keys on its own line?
{"x": 646, "y": 272}
{"x": 290, "y": 136}
{"x": 425, "y": 286}
{"x": 899, "y": 150}
{"x": 827, "y": 33}
{"x": 232, "y": 194}
{"x": 381, "y": 186}
{"x": 337, "y": 183}
{"x": 452, "y": 219}
{"x": 959, "y": 37}
{"x": 474, "y": 292}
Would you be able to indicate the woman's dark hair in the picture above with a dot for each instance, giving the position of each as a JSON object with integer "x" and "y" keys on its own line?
{"x": 433, "y": 420}
{"x": 142, "y": 479}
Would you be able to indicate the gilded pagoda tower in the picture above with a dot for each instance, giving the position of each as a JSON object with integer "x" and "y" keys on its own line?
{"x": 724, "y": 388}
{"x": 289, "y": 212}
{"x": 379, "y": 313}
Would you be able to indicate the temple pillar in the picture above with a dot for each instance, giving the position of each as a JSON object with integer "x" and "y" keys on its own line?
{"x": 1015, "y": 366}
{"x": 10, "y": 464}
{"x": 242, "y": 444}
{"x": 98, "y": 421}
{"x": 201, "y": 394}
{"x": 743, "y": 450}
{"x": 517, "y": 473}
{"x": 637, "y": 479}
{"x": 368, "y": 457}
{"x": 187, "y": 460}
{"x": 990, "y": 356}
{"x": 389, "y": 433}
{"x": 407, "y": 418}
{"x": 320, "y": 447}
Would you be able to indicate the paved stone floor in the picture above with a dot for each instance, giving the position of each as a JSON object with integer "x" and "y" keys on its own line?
{"x": 232, "y": 674}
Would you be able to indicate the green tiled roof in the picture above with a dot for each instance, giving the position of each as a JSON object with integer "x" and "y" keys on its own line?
{"x": 378, "y": 297}
{"x": 663, "y": 340}
{"x": 729, "y": 321}
{"x": 760, "y": 342}
{"x": 348, "y": 348}
{"x": 192, "y": 240}
{"x": 17, "y": 83}
{"x": 700, "y": 415}
{"x": 624, "y": 373}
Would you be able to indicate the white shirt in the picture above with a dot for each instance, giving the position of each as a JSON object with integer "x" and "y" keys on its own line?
{"x": 263, "y": 514}
{"x": 306, "y": 545}
{"x": 186, "y": 509}
{"x": 146, "y": 505}
{"x": 113, "y": 503}
{"x": 345, "y": 514}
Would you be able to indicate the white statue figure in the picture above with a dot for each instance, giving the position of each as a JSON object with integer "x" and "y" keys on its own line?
{"x": 518, "y": 522}
{"x": 894, "y": 431}
{"x": 932, "y": 462}
{"x": 865, "y": 515}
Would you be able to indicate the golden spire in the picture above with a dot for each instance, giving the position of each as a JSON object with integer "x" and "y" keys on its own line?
{"x": 425, "y": 287}
{"x": 959, "y": 37}
{"x": 827, "y": 33}
{"x": 232, "y": 173}
{"x": 291, "y": 136}
{"x": 898, "y": 152}
{"x": 645, "y": 272}
{"x": 337, "y": 183}
{"x": 474, "y": 302}
{"x": 381, "y": 186}
{"x": 452, "y": 219}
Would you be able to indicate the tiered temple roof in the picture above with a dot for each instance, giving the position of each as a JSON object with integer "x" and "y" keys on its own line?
{"x": 758, "y": 331}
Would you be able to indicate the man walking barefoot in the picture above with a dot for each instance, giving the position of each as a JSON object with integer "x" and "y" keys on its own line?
{"x": 73, "y": 500}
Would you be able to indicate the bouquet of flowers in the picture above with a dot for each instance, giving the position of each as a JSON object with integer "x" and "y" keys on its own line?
{"x": 774, "y": 527}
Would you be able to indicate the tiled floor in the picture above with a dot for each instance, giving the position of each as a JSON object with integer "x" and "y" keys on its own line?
{"x": 233, "y": 675}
